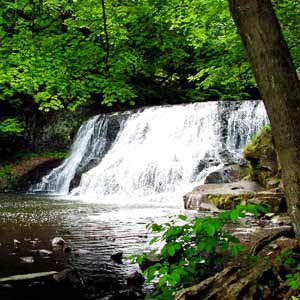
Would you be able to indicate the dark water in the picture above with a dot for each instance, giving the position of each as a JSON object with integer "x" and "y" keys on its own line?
{"x": 97, "y": 230}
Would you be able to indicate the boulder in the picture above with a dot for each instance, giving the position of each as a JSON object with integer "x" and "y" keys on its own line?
{"x": 117, "y": 257}
{"x": 58, "y": 241}
{"x": 226, "y": 174}
{"x": 148, "y": 262}
{"x": 27, "y": 259}
{"x": 135, "y": 279}
{"x": 227, "y": 196}
{"x": 69, "y": 277}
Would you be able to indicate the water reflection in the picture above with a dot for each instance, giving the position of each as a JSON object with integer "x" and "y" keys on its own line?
{"x": 94, "y": 232}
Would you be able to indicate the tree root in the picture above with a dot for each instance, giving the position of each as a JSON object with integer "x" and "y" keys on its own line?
{"x": 241, "y": 281}
{"x": 233, "y": 283}
{"x": 261, "y": 243}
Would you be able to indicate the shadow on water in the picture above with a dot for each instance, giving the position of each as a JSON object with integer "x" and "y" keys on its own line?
{"x": 93, "y": 231}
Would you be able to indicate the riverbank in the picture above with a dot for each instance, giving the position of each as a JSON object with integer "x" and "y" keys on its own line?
{"x": 20, "y": 171}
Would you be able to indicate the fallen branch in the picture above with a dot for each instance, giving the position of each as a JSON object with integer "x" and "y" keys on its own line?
{"x": 260, "y": 244}
{"x": 27, "y": 276}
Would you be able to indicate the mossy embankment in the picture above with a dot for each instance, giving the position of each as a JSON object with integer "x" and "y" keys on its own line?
{"x": 17, "y": 173}
{"x": 263, "y": 161}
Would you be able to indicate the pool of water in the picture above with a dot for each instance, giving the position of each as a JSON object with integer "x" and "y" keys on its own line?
{"x": 94, "y": 231}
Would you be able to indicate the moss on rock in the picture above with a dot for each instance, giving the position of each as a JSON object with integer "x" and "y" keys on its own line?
{"x": 263, "y": 161}
{"x": 274, "y": 202}
{"x": 26, "y": 168}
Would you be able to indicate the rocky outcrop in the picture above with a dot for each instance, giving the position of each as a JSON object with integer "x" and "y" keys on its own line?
{"x": 57, "y": 129}
{"x": 27, "y": 172}
{"x": 263, "y": 160}
{"x": 227, "y": 196}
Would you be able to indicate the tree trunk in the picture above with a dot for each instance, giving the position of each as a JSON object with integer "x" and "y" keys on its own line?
{"x": 279, "y": 86}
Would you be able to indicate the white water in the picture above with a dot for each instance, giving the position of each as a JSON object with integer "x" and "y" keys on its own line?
{"x": 244, "y": 123}
{"x": 89, "y": 143}
{"x": 159, "y": 153}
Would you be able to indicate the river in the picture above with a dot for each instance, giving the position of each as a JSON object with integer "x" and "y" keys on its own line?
{"x": 94, "y": 231}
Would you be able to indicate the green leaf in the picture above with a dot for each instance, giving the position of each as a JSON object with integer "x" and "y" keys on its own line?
{"x": 234, "y": 215}
{"x": 182, "y": 217}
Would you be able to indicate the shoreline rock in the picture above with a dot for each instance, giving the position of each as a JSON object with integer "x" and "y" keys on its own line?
{"x": 228, "y": 195}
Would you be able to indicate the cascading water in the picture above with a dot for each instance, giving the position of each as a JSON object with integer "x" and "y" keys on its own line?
{"x": 243, "y": 123}
{"x": 155, "y": 151}
{"x": 90, "y": 144}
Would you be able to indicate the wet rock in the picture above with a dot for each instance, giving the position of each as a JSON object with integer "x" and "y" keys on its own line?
{"x": 27, "y": 259}
{"x": 90, "y": 161}
{"x": 6, "y": 286}
{"x": 34, "y": 244}
{"x": 225, "y": 175}
{"x": 17, "y": 243}
{"x": 135, "y": 279}
{"x": 42, "y": 252}
{"x": 69, "y": 277}
{"x": 227, "y": 196}
{"x": 228, "y": 158}
{"x": 37, "y": 284}
{"x": 58, "y": 241}
{"x": 117, "y": 257}
{"x": 281, "y": 220}
{"x": 129, "y": 294}
{"x": 148, "y": 262}
{"x": 67, "y": 249}
{"x": 268, "y": 216}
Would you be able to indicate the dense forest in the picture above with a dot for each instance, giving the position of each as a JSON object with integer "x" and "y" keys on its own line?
{"x": 112, "y": 55}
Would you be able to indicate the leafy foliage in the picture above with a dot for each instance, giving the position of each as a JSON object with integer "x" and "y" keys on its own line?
{"x": 54, "y": 51}
{"x": 192, "y": 250}
{"x": 11, "y": 127}
{"x": 290, "y": 260}
{"x": 53, "y": 54}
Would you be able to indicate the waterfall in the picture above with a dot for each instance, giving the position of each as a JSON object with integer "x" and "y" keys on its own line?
{"x": 90, "y": 144}
{"x": 155, "y": 151}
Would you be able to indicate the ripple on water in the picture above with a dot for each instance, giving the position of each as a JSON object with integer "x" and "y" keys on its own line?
{"x": 97, "y": 230}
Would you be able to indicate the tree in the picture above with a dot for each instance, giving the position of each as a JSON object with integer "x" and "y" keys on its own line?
{"x": 279, "y": 86}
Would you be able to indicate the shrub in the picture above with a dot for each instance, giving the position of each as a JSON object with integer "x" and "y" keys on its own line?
{"x": 192, "y": 250}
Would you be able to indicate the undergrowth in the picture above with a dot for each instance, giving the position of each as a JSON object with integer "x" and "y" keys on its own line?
{"x": 192, "y": 250}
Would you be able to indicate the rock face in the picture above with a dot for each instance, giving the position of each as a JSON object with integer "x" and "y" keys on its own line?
{"x": 263, "y": 160}
{"x": 26, "y": 173}
{"x": 92, "y": 158}
{"x": 226, "y": 174}
{"x": 227, "y": 196}
{"x": 58, "y": 129}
